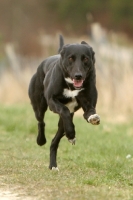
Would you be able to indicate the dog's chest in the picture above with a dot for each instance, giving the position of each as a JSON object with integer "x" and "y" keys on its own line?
{"x": 72, "y": 105}
{"x": 71, "y": 94}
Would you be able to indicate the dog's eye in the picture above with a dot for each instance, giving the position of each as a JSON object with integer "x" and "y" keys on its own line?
{"x": 86, "y": 59}
{"x": 70, "y": 59}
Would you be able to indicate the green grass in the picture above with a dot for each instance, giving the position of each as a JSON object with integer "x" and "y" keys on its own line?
{"x": 95, "y": 168}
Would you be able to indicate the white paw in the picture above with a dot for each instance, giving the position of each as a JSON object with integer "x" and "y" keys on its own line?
{"x": 72, "y": 141}
{"x": 94, "y": 119}
{"x": 55, "y": 169}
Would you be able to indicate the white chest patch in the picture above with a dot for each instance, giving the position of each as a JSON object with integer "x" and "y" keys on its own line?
{"x": 71, "y": 105}
{"x": 71, "y": 93}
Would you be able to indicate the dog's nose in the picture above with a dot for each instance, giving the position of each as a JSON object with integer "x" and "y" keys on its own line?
{"x": 78, "y": 76}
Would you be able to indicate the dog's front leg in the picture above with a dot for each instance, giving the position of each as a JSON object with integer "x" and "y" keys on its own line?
{"x": 91, "y": 116}
{"x": 64, "y": 113}
{"x": 88, "y": 105}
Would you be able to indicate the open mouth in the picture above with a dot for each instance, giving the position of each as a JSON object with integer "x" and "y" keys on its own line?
{"x": 77, "y": 83}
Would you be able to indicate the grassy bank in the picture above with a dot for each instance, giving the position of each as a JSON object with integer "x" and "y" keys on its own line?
{"x": 99, "y": 166}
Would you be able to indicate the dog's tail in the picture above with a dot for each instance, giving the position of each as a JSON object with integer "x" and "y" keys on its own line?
{"x": 61, "y": 43}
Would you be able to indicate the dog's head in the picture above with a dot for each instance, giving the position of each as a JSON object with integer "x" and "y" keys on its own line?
{"x": 77, "y": 60}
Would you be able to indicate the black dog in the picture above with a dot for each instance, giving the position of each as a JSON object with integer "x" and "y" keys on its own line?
{"x": 65, "y": 83}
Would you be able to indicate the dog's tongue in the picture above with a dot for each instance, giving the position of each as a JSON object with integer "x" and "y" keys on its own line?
{"x": 77, "y": 83}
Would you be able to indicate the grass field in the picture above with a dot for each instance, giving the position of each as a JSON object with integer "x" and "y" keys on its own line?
{"x": 98, "y": 167}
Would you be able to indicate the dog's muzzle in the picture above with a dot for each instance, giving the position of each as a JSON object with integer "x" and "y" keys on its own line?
{"x": 77, "y": 83}
{"x": 78, "y": 80}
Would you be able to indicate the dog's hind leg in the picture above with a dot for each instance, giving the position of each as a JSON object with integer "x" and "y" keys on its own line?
{"x": 39, "y": 104}
{"x": 39, "y": 113}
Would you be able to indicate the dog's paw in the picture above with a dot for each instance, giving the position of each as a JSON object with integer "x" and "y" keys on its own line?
{"x": 94, "y": 119}
{"x": 72, "y": 141}
{"x": 55, "y": 168}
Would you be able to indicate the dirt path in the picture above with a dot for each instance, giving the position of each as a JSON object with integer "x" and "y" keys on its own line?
{"x": 6, "y": 194}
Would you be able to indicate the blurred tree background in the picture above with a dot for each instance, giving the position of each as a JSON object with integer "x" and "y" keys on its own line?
{"x": 29, "y": 32}
{"x": 22, "y": 21}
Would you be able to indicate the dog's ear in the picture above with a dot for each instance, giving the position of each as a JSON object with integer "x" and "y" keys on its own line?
{"x": 83, "y": 42}
{"x": 93, "y": 56}
{"x": 62, "y": 52}
{"x": 93, "y": 53}
{"x": 61, "y": 43}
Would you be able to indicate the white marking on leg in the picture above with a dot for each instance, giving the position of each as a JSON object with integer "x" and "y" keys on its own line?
{"x": 94, "y": 119}
{"x": 72, "y": 141}
{"x": 55, "y": 169}
{"x": 71, "y": 105}
{"x": 71, "y": 93}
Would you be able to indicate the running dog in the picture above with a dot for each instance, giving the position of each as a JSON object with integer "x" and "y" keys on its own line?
{"x": 65, "y": 83}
